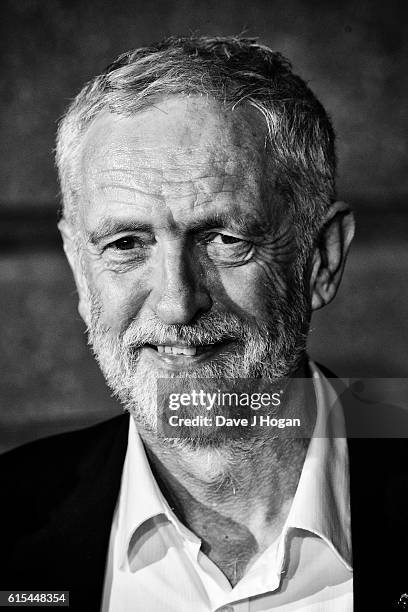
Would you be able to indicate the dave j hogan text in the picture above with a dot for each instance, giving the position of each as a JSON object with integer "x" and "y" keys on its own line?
{"x": 219, "y": 420}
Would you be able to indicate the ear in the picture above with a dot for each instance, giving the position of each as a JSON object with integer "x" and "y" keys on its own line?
{"x": 71, "y": 252}
{"x": 330, "y": 254}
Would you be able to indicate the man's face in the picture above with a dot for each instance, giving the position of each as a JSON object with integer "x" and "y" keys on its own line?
{"x": 188, "y": 254}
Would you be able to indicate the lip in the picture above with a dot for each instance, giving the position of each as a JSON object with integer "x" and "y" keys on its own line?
{"x": 186, "y": 362}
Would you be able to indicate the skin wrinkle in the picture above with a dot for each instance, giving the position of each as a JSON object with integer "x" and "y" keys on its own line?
{"x": 183, "y": 188}
{"x": 155, "y": 157}
{"x": 200, "y": 199}
{"x": 220, "y": 163}
{"x": 194, "y": 191}
{"x": 272, "y": 255}
{"x": 170, "y": 189}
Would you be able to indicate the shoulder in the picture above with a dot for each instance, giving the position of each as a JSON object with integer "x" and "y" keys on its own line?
{"x": 54, "y": 459}
{"x": 373, "y": 408}
{"x": 56, "y": 444}
{"x": 58, "y": 498}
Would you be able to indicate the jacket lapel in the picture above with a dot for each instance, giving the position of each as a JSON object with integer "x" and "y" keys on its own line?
{"x": 69, "y": 550}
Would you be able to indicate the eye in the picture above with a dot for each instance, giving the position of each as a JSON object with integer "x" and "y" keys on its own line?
{"x": 124, "y": 244}
{"x": 228, "y": 250}
{"x": 217, "y": 238}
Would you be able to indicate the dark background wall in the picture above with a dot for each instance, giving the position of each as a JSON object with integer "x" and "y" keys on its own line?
{"x": 353, "y": 54}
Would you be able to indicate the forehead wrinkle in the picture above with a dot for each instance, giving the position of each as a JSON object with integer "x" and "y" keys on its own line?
{"x": 131, "y": 179}
{"x": 200, "y": 192}
{"x": 184, "y": 179}
{"x": 190, "y": 126}
{"x": 210, "y": 168}
{"x": 206, "y": 163}
{"x": 163, "y": 183}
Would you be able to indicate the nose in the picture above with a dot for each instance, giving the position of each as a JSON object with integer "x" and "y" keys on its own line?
{"x": 180, "y": 294}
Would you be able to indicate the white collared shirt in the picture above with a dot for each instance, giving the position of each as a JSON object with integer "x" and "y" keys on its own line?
{"x": 155, "y": 563}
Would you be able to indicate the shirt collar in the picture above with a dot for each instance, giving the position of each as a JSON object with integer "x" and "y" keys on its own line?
{"x": 322, "y": 501}
{"x": 136, "y": 507}
{"x": 140, "y": 496}
{"x": 321, "y": 504}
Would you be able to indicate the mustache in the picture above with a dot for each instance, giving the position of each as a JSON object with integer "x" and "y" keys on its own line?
{"x": 208, "y": 329}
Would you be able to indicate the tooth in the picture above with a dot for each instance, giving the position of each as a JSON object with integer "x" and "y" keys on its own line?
{"x": 177, "y": 350}
{"x": 190, "y": 350}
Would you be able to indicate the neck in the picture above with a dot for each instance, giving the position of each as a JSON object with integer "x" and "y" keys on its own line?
{"x": 235, "y": 496}
{"x": 250, "y": 483}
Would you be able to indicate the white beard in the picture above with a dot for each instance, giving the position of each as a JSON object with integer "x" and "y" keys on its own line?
{"x": 269, "y": 352}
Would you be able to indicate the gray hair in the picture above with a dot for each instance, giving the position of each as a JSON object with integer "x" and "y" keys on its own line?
{"x": 234, "y": 71}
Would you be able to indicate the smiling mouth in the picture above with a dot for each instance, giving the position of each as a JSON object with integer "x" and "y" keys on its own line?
{"x": 176, "y": 356}
{"x": 188, "y": 350}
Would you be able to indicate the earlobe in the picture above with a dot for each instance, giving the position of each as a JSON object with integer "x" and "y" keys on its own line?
{"x": 330, "y": 254}
{"x": 72, "y": 255}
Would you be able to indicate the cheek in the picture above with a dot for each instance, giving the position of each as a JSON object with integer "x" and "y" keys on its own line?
{"x": 253, "y": 290}
{"x": 121, "y": 296}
